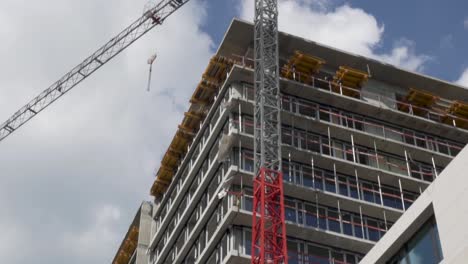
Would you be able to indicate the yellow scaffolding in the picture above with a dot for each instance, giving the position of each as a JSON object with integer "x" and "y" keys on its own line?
{"x": 203, "y": 96}
{"x": 422, "y": 100}
{"x": 128, "y": 247}
{"x": 301, "y": 67}
{"x": 458, "y": 111}
{"x": 349, "y": 81}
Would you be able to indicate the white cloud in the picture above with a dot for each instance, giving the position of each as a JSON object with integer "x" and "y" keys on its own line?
{"x": 465, "y": 23}
{"x": 101, "y": 143}
{"x": 11, "y": 240}
{"x": 463, "y": 80}
{"x": 345, "y": 27}
{"x": 97, "y": 239}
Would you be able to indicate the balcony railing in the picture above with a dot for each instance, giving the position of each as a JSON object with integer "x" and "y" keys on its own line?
{"x": 318, "y": 179}
{"x": 349, "y": 152}
{"x": 368, "y": 97}
{"x": 360, "y": 123}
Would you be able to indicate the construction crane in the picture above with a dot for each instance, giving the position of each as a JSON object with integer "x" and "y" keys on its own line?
{"x": 269, "y": 232}
{"x": 152, "y": 17}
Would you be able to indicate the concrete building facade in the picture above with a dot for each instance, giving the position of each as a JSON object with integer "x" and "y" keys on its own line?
{"x": 360, "y": 144}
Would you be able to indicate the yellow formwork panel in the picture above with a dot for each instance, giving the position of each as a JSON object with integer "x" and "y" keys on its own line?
{"x": 301, "y": 66}
{"x": 189, "y": 124}
{"x": 128, "y": 247}
{"x": 350, "y": 77}
{"x": 459, "y": 109}
{"x": 349, "y": 81}
{"x": 459, "y": 122}
{"x": 213, "y": 76}
{"x": 422, "y": 102}
{"x": 421, "y": 98}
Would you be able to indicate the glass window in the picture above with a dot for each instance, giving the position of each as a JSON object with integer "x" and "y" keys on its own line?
{"x": 334, "y": 221}
{"x": 306, "y": 108}
{"x": 292, "y": 252}
{"x": 324, "y": 114}
{"x": 290, "y": 210}
{"x": 357, "y": 227}
{"x": 358, "y": 123}
{"x": 247, "y": 242}
{"x": 330, "y": 184}
{"x": 409, "y": 137}
{"x": 368, "y": 191}
{"x": 317, "y": 255}
{"x": 338, "y": 149}
{"x": 311, "y": 215}
{"x": 286, "y": 136}
{"x": 248, "y": 203}
{"x": 307, "y": 176}
{"x": 287, "y": 176}
{"x": 322, "y": 219}
{"x": 353, "y": 188}
{"x": 337, "y": 257}
{"x": 318, "y": 180}
{"x": 347, "y": 227}
{"x": 343, "y": 187}
{"x": 423, "y": 248}
{"x": 373, "y": 230}
{"x": 313, "y": 143}
{"x": 421, "y": 140}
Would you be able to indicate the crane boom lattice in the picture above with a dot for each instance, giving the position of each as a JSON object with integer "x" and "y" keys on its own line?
{"x": 152, "y": 17}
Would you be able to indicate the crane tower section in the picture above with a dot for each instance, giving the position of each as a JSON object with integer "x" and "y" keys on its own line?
{"x": 268, "y": 226}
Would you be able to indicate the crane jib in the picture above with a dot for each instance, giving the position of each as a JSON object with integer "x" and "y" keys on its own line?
{"x": 152, "y": 17}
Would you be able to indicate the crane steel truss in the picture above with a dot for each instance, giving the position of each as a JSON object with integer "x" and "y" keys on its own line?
{"x": 269, "y": 230}
{"x": 152, "y": 17}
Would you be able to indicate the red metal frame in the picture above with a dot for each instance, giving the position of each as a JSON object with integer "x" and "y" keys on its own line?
{"x": 268, "y": 225}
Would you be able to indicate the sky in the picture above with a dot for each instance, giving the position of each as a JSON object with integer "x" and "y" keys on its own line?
{"x": 72, "y": 179}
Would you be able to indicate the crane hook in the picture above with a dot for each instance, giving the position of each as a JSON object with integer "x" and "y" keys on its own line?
{"x": 150, "y": 62}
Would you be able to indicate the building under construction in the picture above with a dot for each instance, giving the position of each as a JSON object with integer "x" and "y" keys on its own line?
{"x": 361, "y": 140}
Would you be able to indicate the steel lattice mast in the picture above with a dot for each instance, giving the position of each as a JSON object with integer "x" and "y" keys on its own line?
{"x": 268, "y": 225}
{"x": 152, "y": 17}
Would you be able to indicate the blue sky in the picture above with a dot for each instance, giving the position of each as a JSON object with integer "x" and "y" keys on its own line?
{"x": 436, "y": 28}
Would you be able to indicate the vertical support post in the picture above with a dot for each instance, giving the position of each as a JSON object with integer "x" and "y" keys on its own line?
{"x": 401, "y": 195}
{"x": 434, "y": 166}
{"x": 407, "y": 164}
{"x": 290, "y": 167}
{"x": 339, "y": 215}
{"x": 357, "y": 184}
{"x": 329, "y": 142}
{"x": 240, "y": 155}
{"x": 380, "y": 190}
{"x": 376, "y": 155}
{"x": 337, "y": 186}
{"x": 353, "y": 148}
{"x": 313, "y": 173}
{"x": 385, "y": 220}
{"x": 240, "y": 118}
{"x": 362, "y": 222}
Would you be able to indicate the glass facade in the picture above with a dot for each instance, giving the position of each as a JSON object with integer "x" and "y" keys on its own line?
{"x": 423, "y": 248}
